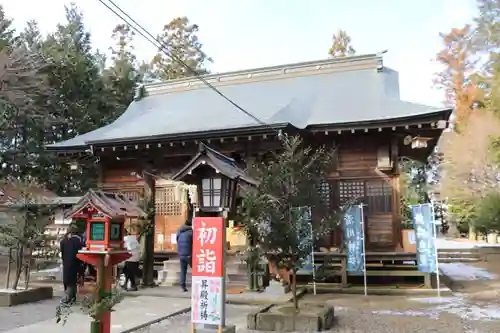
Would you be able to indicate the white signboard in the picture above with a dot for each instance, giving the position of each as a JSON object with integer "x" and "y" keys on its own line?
{"x": 206, "y": 300}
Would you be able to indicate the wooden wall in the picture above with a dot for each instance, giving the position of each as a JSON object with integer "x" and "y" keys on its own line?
{"x": 356, "y": 175}
{"x": 171, "y": 212}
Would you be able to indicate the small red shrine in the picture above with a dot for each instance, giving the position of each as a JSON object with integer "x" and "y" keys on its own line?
{"x": 105, "y": 215}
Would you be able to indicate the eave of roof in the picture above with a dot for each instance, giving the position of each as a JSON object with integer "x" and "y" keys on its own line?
{"x": 111, "y": 204}
{"x": 439, "y": 114}
{"x": 224, "y": 164}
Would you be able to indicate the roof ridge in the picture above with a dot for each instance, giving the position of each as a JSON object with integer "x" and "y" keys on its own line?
{"x": 356, "y": 62}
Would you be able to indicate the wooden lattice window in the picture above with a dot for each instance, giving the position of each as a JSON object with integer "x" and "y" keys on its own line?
{"x": 351, "y": 189}
{"x": 167, "y": 202}
{"x": 379, "y": 196}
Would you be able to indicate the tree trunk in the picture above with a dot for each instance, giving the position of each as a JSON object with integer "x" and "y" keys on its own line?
{"x": 472, "y": 233}
{"x": 149, "y": 239}
{"x": 294, "y": 290}
{"x": 19, "y": 266}
{"x": 27, "y": 270}
{"x": 9, "y": 265}
{"x": 453, "y": 230}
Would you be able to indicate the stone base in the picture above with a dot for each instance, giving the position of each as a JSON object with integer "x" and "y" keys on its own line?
{"x": 275, "y": 288}
{"x": 53, "y": 274}
{"x": 227, "y": 329}
{"x": 170, "y": 274}
{"x": 282, "y": 318}
{"x": 25, "y": 296}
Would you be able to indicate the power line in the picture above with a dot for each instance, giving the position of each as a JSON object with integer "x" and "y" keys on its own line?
{"x": 150, "y": 38}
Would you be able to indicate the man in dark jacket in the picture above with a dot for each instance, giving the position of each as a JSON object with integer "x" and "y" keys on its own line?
{"x": 73, "y": 268}
{"x": 185, "y": 250}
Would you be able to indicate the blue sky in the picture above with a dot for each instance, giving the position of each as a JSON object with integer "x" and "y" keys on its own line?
{"x": 241, "y": 34}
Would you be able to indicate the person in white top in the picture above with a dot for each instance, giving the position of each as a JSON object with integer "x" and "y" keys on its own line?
{"x": 131, "y": 264}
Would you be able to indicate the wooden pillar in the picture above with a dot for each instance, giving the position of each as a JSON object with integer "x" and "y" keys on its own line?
{"x": 397, "y": 238}
{"x": 149, "y": 237}
{"x": 100, "y": 175}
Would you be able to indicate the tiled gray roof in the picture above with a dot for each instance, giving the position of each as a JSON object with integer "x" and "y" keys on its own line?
{"x": 349, "y": 90}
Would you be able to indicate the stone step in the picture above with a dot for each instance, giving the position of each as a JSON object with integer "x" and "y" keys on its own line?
{"x": 459, "y": 255}
{"x": 456, "y": 260}
{"x": 471, "y": 250}
{"x": 454, "y": 253}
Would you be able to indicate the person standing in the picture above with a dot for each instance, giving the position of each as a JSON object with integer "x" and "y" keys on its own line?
{"x": 73, "y": 268}
{"x": 185, "y": 250}
{"x": 131, "y": 264}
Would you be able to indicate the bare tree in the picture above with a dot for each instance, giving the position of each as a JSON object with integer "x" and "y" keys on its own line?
{"x": 27, "y": 213}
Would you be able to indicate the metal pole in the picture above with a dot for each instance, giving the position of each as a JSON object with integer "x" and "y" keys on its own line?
{"x": 223, "y": 284}
{"x": 436, "y": 252}
{"x": 364, "y": 248}
{"x": 193, "y": 325}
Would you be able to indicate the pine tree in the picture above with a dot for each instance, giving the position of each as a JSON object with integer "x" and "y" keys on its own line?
{"x": 81, "y": 101}
{"x": 123, "y": 75}
{"x": 487, "y": 41}
{"x": 7, "y": 32}
{"x": 180, "y": 39}
{"x": 341, "y": 45}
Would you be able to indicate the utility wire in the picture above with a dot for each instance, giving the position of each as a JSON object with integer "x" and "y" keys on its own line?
{"x": 153, "y": 40}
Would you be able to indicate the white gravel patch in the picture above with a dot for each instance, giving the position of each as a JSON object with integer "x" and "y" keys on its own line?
{"x": 464, "y": 272}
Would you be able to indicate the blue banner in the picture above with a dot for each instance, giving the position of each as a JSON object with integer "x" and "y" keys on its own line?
{"x": 423, "y": 224}
{"x": 354, "y": 238}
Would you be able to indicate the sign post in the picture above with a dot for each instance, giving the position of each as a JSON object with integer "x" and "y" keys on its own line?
{"x": 436, "y": 253}
{"x": 208, "y": 298}
{"x": 427, "y": 255}
{"x": 354, "y": 238}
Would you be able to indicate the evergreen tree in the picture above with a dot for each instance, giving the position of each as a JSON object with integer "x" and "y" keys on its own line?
{"x": 487, "y": 41}
{"x": 488, "y": 24}
{"x": 24, "y": 96}
{"x": 81, "y": 101}
{"x": 123, "y": 75}
{"x": 341, "y": 45}
{"x": 7, "y": 32}
{"x": 275, "y": 212}
{"x": 180, "y": 40}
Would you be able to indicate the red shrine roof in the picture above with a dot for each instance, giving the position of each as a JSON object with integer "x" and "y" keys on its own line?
{"x": 111, "y": 204}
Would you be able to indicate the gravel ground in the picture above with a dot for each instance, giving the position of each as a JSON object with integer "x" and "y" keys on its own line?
{"x": 354, "y": 313}
{"x": 27, "y": 314}
{"x": 379, "y": 315}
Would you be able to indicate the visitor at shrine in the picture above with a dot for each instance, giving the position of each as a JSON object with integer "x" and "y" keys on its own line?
{"x": 73, "y": 268}
{"x": 131, "y": 264}
{"x": 185, "y": 249}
